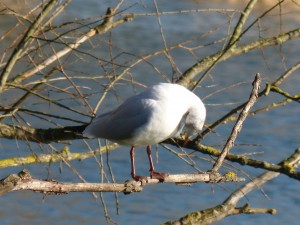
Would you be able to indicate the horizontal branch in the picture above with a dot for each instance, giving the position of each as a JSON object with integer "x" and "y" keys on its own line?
{"x": 41, "y": 135}
{"x": 24, "y": 181}
{"x": 241, "y": 159}
{"x": 74, "y": 132}
{"x": 64, "y": 154}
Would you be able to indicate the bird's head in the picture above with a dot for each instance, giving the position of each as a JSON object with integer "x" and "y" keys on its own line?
{"x": 194, "y": 120}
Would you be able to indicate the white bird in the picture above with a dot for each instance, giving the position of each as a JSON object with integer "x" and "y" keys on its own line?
{"x": 162, "y": 111}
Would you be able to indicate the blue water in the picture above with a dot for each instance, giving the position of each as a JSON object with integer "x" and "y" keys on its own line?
{"x": 275, "y": 133}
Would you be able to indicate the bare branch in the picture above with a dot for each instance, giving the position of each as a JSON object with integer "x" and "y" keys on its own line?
{"x": 107, "y": 25}
{"x": 266, "y": 91}
{"x": 216, "y": 213}
{"x": 293, "y": 161}
{"x": 238, "y": 126}
{"x": 24, "y": 181}
{"x": 18, "y": 50}
{"x": 228, "y": 207}
{"x": 73, "y": 132}
{"x": 190, "y": 74}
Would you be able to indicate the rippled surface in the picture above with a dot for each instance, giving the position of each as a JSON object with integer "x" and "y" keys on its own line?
{"x": 276, "y": 131}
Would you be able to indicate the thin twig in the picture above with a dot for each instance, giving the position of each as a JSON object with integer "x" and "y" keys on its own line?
{"x": 266, "y": 91}
{"x": 188, "y": 76}
{"x": 100, "y": 29}
{"x": 18, "y": 50}
{"x": 229, "y": 206}
{"x": 292, "y": 162}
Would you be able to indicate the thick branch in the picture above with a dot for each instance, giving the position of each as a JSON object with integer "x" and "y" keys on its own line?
{"x": 41, "y": 135}
{"x": 74, "y": 132}
{"x": 24, "y": 181}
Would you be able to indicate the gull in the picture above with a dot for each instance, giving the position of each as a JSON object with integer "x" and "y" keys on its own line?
{"x": 160, "y": 112}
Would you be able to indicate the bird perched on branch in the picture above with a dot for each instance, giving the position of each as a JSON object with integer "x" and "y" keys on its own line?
{"x": 160, "y": 112}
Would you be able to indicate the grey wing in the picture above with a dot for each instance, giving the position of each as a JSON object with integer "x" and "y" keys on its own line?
{"x": 122, "y": 122}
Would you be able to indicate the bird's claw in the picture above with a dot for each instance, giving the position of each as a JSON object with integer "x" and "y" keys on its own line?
{"x": 157, "y": 175}
{"x": 139, "y": 178}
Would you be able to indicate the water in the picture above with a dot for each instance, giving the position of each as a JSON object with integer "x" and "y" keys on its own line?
{"x": 276, "y": 132}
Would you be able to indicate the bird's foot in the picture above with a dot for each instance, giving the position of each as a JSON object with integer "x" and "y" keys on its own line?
{"x": 139, "y": 178}
{"x": 153, "y": 174}
{"x": 157, "y": 175}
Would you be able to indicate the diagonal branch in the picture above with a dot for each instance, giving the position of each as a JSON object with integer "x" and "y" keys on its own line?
{"x": 293, "y": 161}
{"x": 206, "y": 62}
{"x": 278, "y": 90}
{"x": 107, "y": 25}
{"x": 238, "y": 29}
{"x": 238, "y": 126}
{"x": 18, "y": 50}
{"x": 229, "y": 206}
{"x": 266, "y": 91}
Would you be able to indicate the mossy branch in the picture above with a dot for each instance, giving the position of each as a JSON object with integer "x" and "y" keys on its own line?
{"x": 217, "y": 213}
{"x": 238, "y": 28}
{"x": 229, "y": 206}
{"x": 190, "y": 74}
{"x": 41, "y": 135}
{"x": 278, "y": 90}
{"x": 244, "y": 160}
{"x": 55, "y": 157}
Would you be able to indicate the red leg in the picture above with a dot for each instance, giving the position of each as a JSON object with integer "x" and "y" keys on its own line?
{"x": 153, "y": 173}
{"x": 133, "y": 174}
{"x": 150, "y": 159}
{"x": 132, "y": 162}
